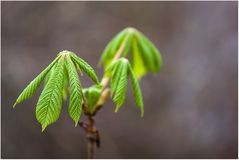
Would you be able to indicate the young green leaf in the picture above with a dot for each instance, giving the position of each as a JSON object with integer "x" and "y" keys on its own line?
{"x": 119, "y": 82}
{"x": 136, "y": 90}
{"x": 116, "y": 43}
{"x": 92, "y": 95}
{"x": 29, "y": 91}
{"x": 137, "y": 61}
{"x": 64, "y": 90}
{"x": 75, "y": 106}
{"x": 145, "y": 56}
{"x": 119, "y": 72}
{"x": 116, "y": 73}
{"x": 109, "y": 69}
{"x": 56, "y": 75}
{"x": 85, "y": 67}
{"x": 48, "y": 107}
{"x": 128, "y": 42}
{"x": 111, "y": 49}
{"x": 150, "y": 53}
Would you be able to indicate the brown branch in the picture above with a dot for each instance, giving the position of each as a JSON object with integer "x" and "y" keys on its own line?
{"x": 90, "y": 137}
{"x": 92, "y": 134}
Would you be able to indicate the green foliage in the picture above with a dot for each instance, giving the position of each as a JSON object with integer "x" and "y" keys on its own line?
{"x": 145, "y": 57}
{"x": 119, "y": 72}
{"x": 61, "y": 77}
{"x": 56, "y": 75}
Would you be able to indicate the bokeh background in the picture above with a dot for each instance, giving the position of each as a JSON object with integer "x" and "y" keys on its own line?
{"x": 190, "y": 106}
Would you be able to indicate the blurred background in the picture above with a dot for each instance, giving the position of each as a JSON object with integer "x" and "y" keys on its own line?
{"x": 191, "y": 106}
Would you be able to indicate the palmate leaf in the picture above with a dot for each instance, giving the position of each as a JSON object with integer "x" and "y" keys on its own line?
{"x": 145, "y": 57}
{"x": 49, "y": 105}
{"x": 119, "y": 72}
{"x": 75, "y": 106}
{"x": 84, "y": 66}
{"x": 56, "y": 75}
{"x": 119, "y": 83}
{"x": 29, "y": 91}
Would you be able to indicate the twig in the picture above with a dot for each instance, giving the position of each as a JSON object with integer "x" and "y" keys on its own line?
{"x": 92, "y": 133}
{"x": 90, "y": 137}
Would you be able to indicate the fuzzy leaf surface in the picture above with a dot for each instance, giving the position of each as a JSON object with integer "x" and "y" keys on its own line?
{"x": 75, "y": 106}
{"x": 119, "y": 82}
{"x": 49, "y": 105}
{"x": 119, "y": 71}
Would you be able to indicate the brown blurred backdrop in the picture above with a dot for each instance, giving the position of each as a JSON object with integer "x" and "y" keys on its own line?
{"x": 190, "y": 106}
